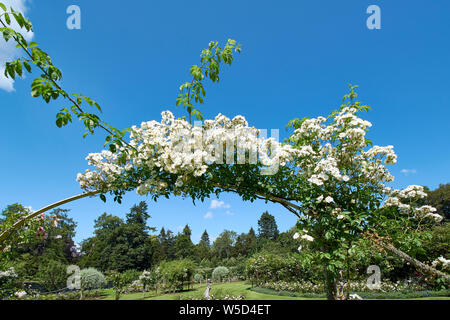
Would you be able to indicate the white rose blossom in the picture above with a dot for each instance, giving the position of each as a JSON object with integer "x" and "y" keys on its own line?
{"x": 176, "y": 147}
{"x": 327, "y": 154}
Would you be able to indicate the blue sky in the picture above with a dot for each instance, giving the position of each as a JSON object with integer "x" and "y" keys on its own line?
{"x": 297, "y": 59}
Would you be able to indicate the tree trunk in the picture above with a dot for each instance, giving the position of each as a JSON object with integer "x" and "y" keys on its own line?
{"x": 330, "y": 285}
{"x": 332, "y": 290}
{"x": 419, "y": 265}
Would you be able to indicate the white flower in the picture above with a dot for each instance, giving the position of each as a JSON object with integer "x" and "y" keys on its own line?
{"x": 11, "y": 273}
{"x": 441, "y": 261}
{"x": 174, "y": 146}
{"x": 329, "y": 199}
{"x": 340, "y": 217}
{"x": 315, "y": 180}
{"x": 299, "y": 248}
{"x": 307, "y": 237}
{"x": 20, "y": 294}
{"x": 296, "y": 235}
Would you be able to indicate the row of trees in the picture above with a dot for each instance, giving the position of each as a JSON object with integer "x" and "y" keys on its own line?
{"x": 126, "y": 248}
{"x": 131, "y": 244}
{"x": 122, "y": 245}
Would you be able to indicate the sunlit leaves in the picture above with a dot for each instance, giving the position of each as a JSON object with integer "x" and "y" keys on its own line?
{"x": 210, "y": 59}
{"x": 47, "y": 85}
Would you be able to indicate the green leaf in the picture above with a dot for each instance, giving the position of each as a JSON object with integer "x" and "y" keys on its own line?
{"x": 59, "y": 122}
{"x": 7, "y": 18}
{"x": 2, "y": 6}
{"x": 19, "y": 19}
{"x": 27, "y": 66}
{"x": 11, "y": 72}
{"x": 35, "y": 92}
{"x": 103, "y": 198}
{"x": 19, "y": 68}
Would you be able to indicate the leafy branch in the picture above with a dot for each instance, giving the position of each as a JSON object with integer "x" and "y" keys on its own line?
{"x": 210, "y": 60}
{"x": 47, "y": 85}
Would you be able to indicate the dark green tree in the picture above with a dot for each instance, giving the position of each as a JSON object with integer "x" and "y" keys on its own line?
{"x": 204, "y": 247}
{"x": 267, "y": 227}
{"x": 119, "y": 245}
{"x": 440, "y": 199}
{"x": 246, "y": 244}
{"x": 187, "y": 231}
{"x": 223, "y": 245}
{"x": 183, "y": 246}
{"x": 205, "y": 239}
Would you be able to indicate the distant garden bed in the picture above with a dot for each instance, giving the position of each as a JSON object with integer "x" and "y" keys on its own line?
{"x": 364, "y": 295}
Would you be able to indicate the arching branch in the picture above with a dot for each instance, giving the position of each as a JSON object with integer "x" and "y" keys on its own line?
{"x": 276, "y": 199}
{"x": 19, "y": 223}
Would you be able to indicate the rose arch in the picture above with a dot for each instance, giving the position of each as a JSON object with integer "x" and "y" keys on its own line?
{"x": 328, "y": 173}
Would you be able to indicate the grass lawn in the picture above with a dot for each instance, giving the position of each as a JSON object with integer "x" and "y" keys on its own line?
{"x": 222, "y": 289}
{"x": 232, "y": 289}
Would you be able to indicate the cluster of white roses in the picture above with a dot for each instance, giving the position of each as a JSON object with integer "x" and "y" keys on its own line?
{"x": 177, "y": 147}
{"x": 340, "y": 157}
{"x": 326, "y": 155}
{"x": 107, "y": 170}
{"x": 305, "y": 236}
{"x": 145, "y": 276}
{"x": 305, "y": 286}
{"x": 10, "y": 273}
{"x": 411, "y": 193}
{"x": 339, "y": 147}
{"x": 442, "y": 262}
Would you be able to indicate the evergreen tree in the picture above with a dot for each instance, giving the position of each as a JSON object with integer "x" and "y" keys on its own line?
{"x": 205, "y": 239}
{"x": 223, "y": 245}
{"x": 171, "y": 239}
{"x": 187, "y": 231}
{"x": 183, "y": 246}
{"x": 203, "y": 247}
{"x": 138, "y": 214}
{"x": 119, "y": 245}
{"x": 267, "y": 227}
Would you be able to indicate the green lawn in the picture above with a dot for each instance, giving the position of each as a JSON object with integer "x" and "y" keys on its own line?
{"x": 232, "y": 289}
{"x": 220, "y": 290}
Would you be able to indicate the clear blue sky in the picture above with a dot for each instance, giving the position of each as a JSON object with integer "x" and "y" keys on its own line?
{"x": 298, "y": 56}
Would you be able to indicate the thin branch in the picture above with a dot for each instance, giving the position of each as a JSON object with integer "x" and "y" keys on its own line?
{"x": 287, "y": 204}
{"x": 7, "y": 233}
{"x": 65, "y": 94}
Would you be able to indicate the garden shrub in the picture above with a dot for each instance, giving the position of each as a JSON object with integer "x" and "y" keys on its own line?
{"x": 8, "y": 282}
{"x": 52, "y": 275}
{"x": 91, "y": 278}
{"x": 131, "y": 275}
{"x": 220, "y": 273}
{"x": 175, "y": 274}
{"x": 119, "y": 283}
{"x": 198, "y": 278}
